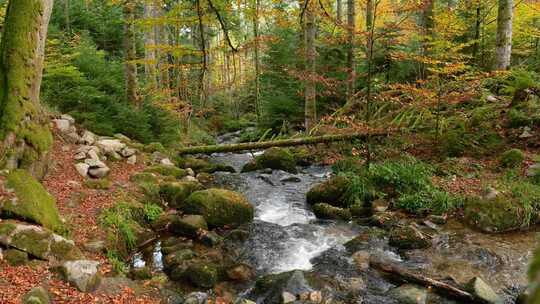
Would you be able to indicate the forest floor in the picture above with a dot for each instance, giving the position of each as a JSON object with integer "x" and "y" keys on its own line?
{"x": 80, "y": 206}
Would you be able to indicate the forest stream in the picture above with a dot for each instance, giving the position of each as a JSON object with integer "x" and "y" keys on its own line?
{"x": 286, "y": 236}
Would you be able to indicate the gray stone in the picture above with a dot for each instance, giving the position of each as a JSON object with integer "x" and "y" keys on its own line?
{"x": 196, "y": 298}
{"x": 526, "y": 133}
{"x": 97, "y": 246}
{"x": 127, "y": 152}
{"x": 95, "y": 163}
{"x": 37, "y": 295}
{"x": 79, "y": 156}
{"x": 533, "y": 170}
{"x": 68, "y": 118}
{"x": 132, "y": 160}
{"x": 491, "y": 98}
{"x": 380, "y": 205}
{"x": 99, "y": 172}
{"x": 62, "y": 125}
{"x": 410, "y": 294}
{"x": 122, "y": 137}
{"x": 287, "y": 297}
{"x": 72, "y": 137}
{"x": 82, "y": 168}
{"x": 158, "y": 156}
{"x": 110, "y": 145}
{"x": 482, "y": 290}
{"x": 189, "y": 178}
{"x": 88, "y": 138}
{"x": 82, "y": 274}
{"x": 190, "y": 172}
{"x": 92, "y": 154}
{"x": 166, "y": 162}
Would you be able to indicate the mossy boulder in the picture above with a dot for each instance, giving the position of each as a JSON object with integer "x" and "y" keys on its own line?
{"x": 196, "y": 164}
{"x": 178, "y": 258}
{"x": 144, "y": 177}
{"x": 332, "y": 191}
{"x": 176, "y": 193}
{"x": 213, "y": 168}
{"x": 188, "y": 225}
{"x": 98, "y": 184}
{"x": 220, "y": 207}
{"x": 32, "y": 202}
{"x": 15, "y": 257}
{"x": 408, "y": 237}
{"x": 167, "y": 170}
{"x": 500, "y": 214}
{"x": 202, "y": 275}
{"x": 329, "y": 212}
{"x": 512, "y": 158}
{"x": 273, "y": 158}
{"x": 37, "y": 295}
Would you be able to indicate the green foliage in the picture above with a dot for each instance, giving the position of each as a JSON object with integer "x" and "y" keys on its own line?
{"x": 121, "y": 225}
{"x": 512, "y": 158}
{"x": 117, "y": 262}
{"x": 428, "y": 201}
{"x": 519, "y": 80}
{"x": 152, "y": 212}
{"x": 517, "y": 118}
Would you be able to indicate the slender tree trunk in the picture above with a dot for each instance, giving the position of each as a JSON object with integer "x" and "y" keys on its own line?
{"x": 477, "y": 27}
{"x": 351, "y": 63}
{"x": 256, "y": 59}
{"x": 25, "y": 138}
{"x": 150, "y": 45}
{"x": 310, "y": 86}
{"x": 339, "y": 11}
{"x": 66, "y": 16}
{"x": 130, "y": 53}
{"x": 504, "y": 35}
{"x": 427, "y": 27}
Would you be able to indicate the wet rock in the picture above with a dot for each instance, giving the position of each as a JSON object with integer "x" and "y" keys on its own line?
{"x": 385, "y": 220}
{"x": 37, "y": 295}
{"x": 330, "y": 192}
{"x": 82, "y": 169}
{"x": 326, "y": 211}
{"x": 361, "y": 259}
{"x": 196, "y": 298}
{"x": 408, "y": 237}
{"x": 82, "y": 274}
{"x": 15, "y": 257}
{"x": 240, "y": 272}
{"x": 410, "y": 294}
{"x": 176, "y": 193}
{"x": 287, "y": 297}
{"x": 273, "y": 158}
{"x": 380, "y": 205}
{"x": 291, "y": 179}
{"x": 210, "y": 238}
{"x": 189, "y": 225}
{"x": 500, "y": 214}
{"x": 482, "y": 290}
{"x": 220, "y": 207}
{"x": 437, "y": 219}
{"x": 177, "y": 258}
{"x": 271, "y": 287}
{"x": 202, "y": 275}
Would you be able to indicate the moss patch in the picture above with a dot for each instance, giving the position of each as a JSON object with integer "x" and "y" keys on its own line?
{"x": 332, "y": 191}
{"x": 220, "y": 207}
{"x": 167, "y": 171}
{"x": 33, "y": 202}
{"x": 98, "y": 184}
{"x": 495, "y": 215}
{"x": 326, "y": 211}
{"x": 512, "y": 158}
{"x": 176, "y": 193}
{"x": 273, "y": 158}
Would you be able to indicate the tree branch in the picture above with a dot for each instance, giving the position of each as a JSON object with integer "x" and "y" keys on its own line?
{"x": 223, "y": 26}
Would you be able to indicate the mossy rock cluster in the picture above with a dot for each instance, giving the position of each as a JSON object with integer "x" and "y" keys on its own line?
{"x": 165, "y": 170}
{"x": 329, "y": 212}
{"x": 332, "y": 192}
{"x": 203, "y": 275}
{"x": 220, "y": 207}
{"x": 176, "y": 193}
{"x": 188, "y": 225}
{"x": 202, "y": 166}
{"x": 500, "y": 214}
{"x": 31, "y": 202}
{"x": 273, "y": 158}
{"x": 512, "y": 158}
{"x": 408, "y": 238}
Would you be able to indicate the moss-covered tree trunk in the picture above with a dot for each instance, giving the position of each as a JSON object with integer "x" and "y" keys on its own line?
{"x": 25, "y": 137}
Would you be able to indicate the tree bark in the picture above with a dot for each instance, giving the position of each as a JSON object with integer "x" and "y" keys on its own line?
{"x": 504, "y": 34}
{"x": 351, "y": 63}
{"x": 257, "y": 4}
{"x": 130, "y": 68}
{"x": 339, "y": 11}
{"x": 310, "y": 86}
{"x": 25, "y": 138}
{"x": 276, "y": 143}
{"x": 427, "y": 27}
{"x": 150, "y": 45}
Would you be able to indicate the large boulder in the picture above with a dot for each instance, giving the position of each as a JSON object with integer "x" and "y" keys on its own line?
{"x": 188, "y": 225}
{"x": 333, "y": 192}
{"x": 37, "y": 241}
{"x": 110, "y": 145}
{"x": 202, "y": 275}
{"x": 177, "y": 192}
{"x": 497, "y": 214}
{"x": 220, "y": 207}
{"x": 273, "y": 158}
{"x": 37, "y": 295}
{"x": 31, "y": 202}
{"x": 83, "y": 274}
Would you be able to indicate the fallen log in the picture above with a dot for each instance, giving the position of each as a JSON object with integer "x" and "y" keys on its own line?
{"x": 276, "y": 143}
{"x": 403, "y": 275}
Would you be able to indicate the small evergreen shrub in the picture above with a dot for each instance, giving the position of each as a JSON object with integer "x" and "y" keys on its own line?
{"x": 512, "y": 158}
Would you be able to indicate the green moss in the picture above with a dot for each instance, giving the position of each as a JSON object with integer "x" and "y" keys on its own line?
{"x": 15, "y": 257}
{"x": 220, "y": 207}
{"x": 6, "y": 228}
{"x": 512, "y": 158}
{"x": 167, "y": 171}
{"x": 326, "y": 211}
{"x": 408, "y": 238}
{"x": 33, "y": 202}
{"x": 332, "y": 191}
{"x": 496, "y": 215}
{"x": 143, "y": 177}
{"x": 98, "y": 184}
{"x": 274, "y": 158}
{"x": 154, "y": 147}
{"x": 64, "y": 250}
{"x": 32, "y": 241}
{"x": 37, "y": 295}
{"x": 176, "y": 193}
{"x": 203, "y": 275}
{"x": 196, "y": 164}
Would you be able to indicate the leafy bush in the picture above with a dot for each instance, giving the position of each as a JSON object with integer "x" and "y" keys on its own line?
{"x": 119, "y": 221}
{"x": 427, "y": 201}
{"x": 152, "y": 212}
{"x": 517, "y": 118}
{"x": 512, "y": 158}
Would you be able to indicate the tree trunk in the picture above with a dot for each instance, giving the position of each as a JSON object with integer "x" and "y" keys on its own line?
{"x": 351, "y": 64}
{"x": 130, "y": 68}
{"x": 150, "y": 45}
{"x": 24, "y": 130}
{"x": 275, "y": 143}
{"x": 257, "y": 60}
{"x": 339, "y": 11}
{"x": 477, "y": 26}
{"x": 310, "y": 86}
{"x": 504, "y": 35}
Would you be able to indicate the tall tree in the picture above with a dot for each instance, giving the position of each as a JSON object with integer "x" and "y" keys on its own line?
{"x": 310, "y": 86}
{"x": 150, "y": 13}
{"x": 25, "y": 138}
{"x": 351, "y": 65}
{"x": 339, "y": 11}
{"x": 504, "y": 34}
{"x": 257, "y": 63}
{"x": 130, "y": 52}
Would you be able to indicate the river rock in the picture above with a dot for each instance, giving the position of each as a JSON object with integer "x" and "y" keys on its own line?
{"x": 176, "y": 193}
{"x": 37, "y": 295}
{"x": 271, "y": 287}
{"x": 410, "y": 294}
{"x": 82, "y": 169}
{"x": 202, "y": 275}
{"x": 177, "y": 258}
{"x": 273, "y": 158}
{"x": 240, "y": 272}
{"x": 63, "y": 125}
{"x": 110, "y": 145}
{"x": 361, "y": 259}
{"x": 408, "y": 237}
{"x": 220, "y": 207}
{"x": 82, "y": 274}
{"x": 330, "y": 192}
{"x": 326, "y": 211}
{"x": 188, "y": 225}
{"x": 210, "y": 238}
{"x": 478, "y": 287}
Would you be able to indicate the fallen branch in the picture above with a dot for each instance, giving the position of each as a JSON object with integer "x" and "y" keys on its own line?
{"x": 275, "y": 143}
{"x": 403, "y": 275}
